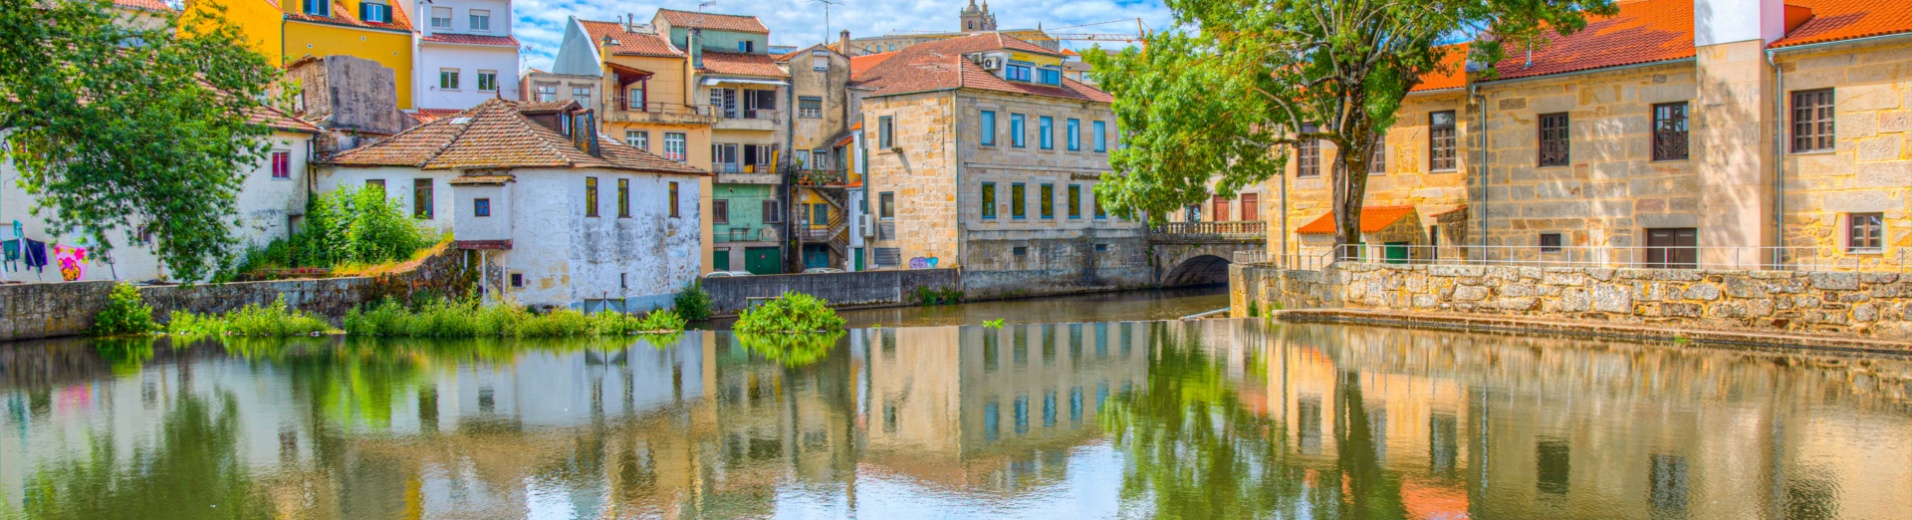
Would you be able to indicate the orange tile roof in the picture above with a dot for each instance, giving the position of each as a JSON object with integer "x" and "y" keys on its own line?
{"x": 497, "y": 134}
{"x": 427, "y": 115}
{"x": 275, "y": 119}
{"x": 942, "y": 65}
{"x": 149, "y": 5}
{"x": 629, "y": 43}
{"x": 343, "y": 17}
{"x": 721, "y": 22}
{"x": 742, "y": 64}
{"x": 1455, "y": 75}
{"x": 1644, "y": 31}
{"x": 472, "y": 39}
{"x": 861, "y": 64}
{"x": 1373, "y": 219}
{"x": 1834, "y": 20}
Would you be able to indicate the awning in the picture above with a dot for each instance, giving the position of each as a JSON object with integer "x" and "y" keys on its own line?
{"x": 745, "y": 81}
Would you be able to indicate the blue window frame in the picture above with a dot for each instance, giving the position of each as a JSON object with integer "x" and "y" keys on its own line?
{"x": 1016, "y": 72}
{"x": 375, "y": 13}
{"x": 481, "y": 207}
{"x": 1075, "y": 134}
{"x": 989, "y": 128}
{"x": 1101, "y": 136}
{"x": 1046, "y": 136}
{"x": 1052, "y": 77}
{"x": 318, "y": 7}
{"x": 1016, "y": 137}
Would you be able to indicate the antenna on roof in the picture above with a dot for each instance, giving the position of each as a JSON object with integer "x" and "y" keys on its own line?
{"x": 826, "y": 16}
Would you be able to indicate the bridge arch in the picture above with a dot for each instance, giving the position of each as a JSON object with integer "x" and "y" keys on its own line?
{"x": 1196, "y": 269}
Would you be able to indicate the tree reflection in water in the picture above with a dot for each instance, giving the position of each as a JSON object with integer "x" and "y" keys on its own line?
{"x": 193, "y": 471}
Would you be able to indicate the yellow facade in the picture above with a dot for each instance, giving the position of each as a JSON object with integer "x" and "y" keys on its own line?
{"x": 258, "y": 20}
{"x": 389, "y": 48}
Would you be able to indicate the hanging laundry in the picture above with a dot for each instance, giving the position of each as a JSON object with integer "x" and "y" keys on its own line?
{"x": 72, "y": 262}
{"x": 35, "y": 255}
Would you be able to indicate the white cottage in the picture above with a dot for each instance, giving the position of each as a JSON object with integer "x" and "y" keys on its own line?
{"x": 556, "y": 214}
{"x": 465, "y": 54}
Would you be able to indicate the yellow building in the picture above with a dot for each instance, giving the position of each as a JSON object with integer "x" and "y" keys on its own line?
{"x": 285, "y": 31}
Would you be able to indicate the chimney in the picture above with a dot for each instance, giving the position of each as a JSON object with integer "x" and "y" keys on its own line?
{"x": 630, "y": 22}
{"x": 843, "y": 44}
{"x": 1729, "y": 21}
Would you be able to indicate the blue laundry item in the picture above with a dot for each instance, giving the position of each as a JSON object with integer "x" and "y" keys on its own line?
{"x": 11, "y": 249}
{"x": 36, "y": 255}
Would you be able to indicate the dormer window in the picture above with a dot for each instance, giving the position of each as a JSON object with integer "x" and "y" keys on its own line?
{"x": 375, "y": 12}
{"x": 1051, "y": 76}
{"x": 1016, "y": 72}
{"x": 318, "y": 7}
{"x": 746, "y": 46}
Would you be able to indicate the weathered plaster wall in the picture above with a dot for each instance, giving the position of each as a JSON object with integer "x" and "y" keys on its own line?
{"x": 1869, "y": 305}
{"x": 892, "y": 287}
{"x": 399, "y": 186}
{"x": 572, "y": 258}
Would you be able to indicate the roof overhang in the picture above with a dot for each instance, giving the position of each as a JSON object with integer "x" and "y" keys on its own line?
{"x": 745, "y": 81}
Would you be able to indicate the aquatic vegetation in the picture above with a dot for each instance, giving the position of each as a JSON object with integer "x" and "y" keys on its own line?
{"x": 946, "y": 296}
{"x": 125, "y": 313}
{"x": 791, "y": 350}
{"x": 471, "y": 319}
{"x": 1254, "y": 309}
{"x": 792, "y": 313}
{"x": 993, "y": 324}
{"x": 693, "y": 303}
{"x": 276, "y": 320}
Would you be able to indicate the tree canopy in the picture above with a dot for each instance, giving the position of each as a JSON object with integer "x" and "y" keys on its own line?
{"x": 1227, "y": 96}
{"x": 117, "y": 122}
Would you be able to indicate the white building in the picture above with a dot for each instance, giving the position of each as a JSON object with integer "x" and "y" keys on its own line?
{"x": 466, "y": 54}
{"x": 558, "y": 214}
{"x": 270, "y": 200}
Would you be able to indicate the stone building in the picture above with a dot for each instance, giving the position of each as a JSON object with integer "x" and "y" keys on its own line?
{"x": 973, "y": 19}
{"x": 562, "y": 216}
{"x": 984, "y": 157}
{"x": 1752, "y": 133}
{"x": 820, "y": 144}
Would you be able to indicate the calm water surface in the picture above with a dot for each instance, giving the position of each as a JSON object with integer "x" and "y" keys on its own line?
{"x": 1210, "y": 419}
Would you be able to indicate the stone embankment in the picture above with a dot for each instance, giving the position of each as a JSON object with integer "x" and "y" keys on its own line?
{"x": 1875, "y": 305}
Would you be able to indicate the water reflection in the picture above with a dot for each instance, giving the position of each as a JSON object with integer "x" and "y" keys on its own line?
{"x": 1220, "y": 419}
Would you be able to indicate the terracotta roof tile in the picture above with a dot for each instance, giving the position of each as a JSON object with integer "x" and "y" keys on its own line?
{"x": 742, "y": 64}
{"x": 630, "y": 43}
{"x": 1455, "y": 75}
{"x": 472, "y": 39}
{"x": 721, "y": 22}
{"x": 1645, "y": 31}
{"x": 497, "y": 134}
{"x": 941, "y": 65}
{"x": 1373, "y": 218}
{"x": 149, "y": 5}
{"x": 1834, "y": 20}
{"x": 344, "y": 17}
{"x": 275, "y": 119}
{"x": 427, "y": 115}
{"x": 861, "y": 64}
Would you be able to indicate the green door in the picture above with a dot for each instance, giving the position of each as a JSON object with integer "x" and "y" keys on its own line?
{"x": 859, "y": 258}
{"x": 815, "y": 256}
{"x": 1396, "y": 252}
{"x": 763, "y": 260}
{"x": 721, "y": 260}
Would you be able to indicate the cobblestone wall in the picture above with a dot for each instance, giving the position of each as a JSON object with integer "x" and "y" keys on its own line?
{"x": 1870, "y": 305}
{"x": 855, "y": 289}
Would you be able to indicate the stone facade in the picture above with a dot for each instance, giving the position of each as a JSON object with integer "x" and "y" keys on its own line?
{"x": 1867, "y": 305}
{"x": 1408, "y": 177}
{"x": 1869, "y": 170}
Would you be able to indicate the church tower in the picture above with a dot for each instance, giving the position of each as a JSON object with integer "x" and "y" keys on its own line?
{"x": 978, "y": 19}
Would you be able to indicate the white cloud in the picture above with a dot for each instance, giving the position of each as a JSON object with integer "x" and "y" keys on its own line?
{"x": 540, "y": 23}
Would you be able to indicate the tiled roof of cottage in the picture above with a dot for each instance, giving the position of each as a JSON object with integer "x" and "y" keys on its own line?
{"x": 427, "y": 115}
{"x": 275, "y": 119}
{"x": 344, "y": 17}
{"x": 630, "y": 43}
{"x": 721, "y": 22}
{"x": 1455, "y": 73}
{"x": 942, "y": 65}
{"x": 1373, "y": 219}
{"x": 1644, "y": 31}
{"x": 740, "y": 64}
{"x": 497, "y": 134}
{"x": 472, "y": 39}
{"x": 149, "y": 5}
{"x": 1834, "y": 20}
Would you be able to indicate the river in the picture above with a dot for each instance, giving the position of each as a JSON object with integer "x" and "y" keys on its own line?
{"x": 911, "y": 416}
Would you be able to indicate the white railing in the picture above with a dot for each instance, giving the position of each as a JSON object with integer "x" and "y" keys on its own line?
{"x": 1816, "y": 259}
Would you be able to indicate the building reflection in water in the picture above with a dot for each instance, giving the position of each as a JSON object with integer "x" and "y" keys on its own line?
{"x": 1215, "y": 419}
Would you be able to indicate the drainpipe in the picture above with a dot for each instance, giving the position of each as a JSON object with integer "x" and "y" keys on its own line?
{"x": 1779, "y": 159}
{"x": 1480, "y": 163}
{"x": 956, "y": 137}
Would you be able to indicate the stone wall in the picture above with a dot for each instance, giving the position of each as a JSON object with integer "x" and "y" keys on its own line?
{"x": 1869, "y": 169}
{"x": 856, "y": 289}
{"x": 1868, "y": 305}
{"x": 47, "y": 310}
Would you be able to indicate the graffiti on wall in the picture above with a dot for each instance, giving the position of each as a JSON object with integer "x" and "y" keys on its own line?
{"x": 923, "y": 263}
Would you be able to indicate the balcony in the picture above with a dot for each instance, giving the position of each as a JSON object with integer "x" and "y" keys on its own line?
{"x": 624, "y": 111}
{"x": 723, "y": 234}
{"x": 733, "y": 173}
{"x": 1225, "y": 231}
{"x": 821, "y": 178}
{"x": 756, "y": 120}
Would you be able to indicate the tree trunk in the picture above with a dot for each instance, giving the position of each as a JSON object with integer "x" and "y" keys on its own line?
{"x": 1350, "y": 191}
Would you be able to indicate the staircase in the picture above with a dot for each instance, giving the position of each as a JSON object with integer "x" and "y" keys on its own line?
{"x": 837, "y": 232}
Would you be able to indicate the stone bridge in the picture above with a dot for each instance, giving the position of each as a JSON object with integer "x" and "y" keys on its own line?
{"x": 1198, "y": 253}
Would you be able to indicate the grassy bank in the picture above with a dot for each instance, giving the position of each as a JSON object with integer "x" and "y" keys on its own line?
{"x": 437, "y": 319}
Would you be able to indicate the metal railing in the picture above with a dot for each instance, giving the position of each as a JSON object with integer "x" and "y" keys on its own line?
{"x": 742, "y": 168}
{"x": 745, "y": 234}
{"x": 624, "y": 103}
{"x": 821, "y": 177}
{"x": 1235, "y": 227}
{"x": 1748, "y": 258}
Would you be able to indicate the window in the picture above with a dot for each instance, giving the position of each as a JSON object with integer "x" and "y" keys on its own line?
{"x": 989, "y": 128}
{"x": 1018, "y": 204}
{"x": 1097, "y": 202}
{"x": 582, "y": 95}
{"x": 1016, "y": 134}
{"x": 1016, "y": 72}
{"x": 883, "y": 137}
{"x": 720, "y": 211}
{"x": 1074, "y": 128}
{"x": 1669, "y": 131}
{"x": 441, "y": 18}
{"x": 1250, "y": 206}
{"x": 1554, "y": 142}
{"x": 772, "y": 212}
{"x": 1308, "y": 155}
{"x": 422, "y": 198}
{"x": 639, "y": 139}
{"x": 1441, "y": 154}
{"x": 1046, "y": 132}
{"x": 1549, "y": 242}
{"x": 448, "y": 79}
{"x": 1019, "y": 251}
{"x": 623, "y": 198}
{"x": 1048, "y": 202}
{"x": 886, "y": 205}
{"x": 1378, "y": 163}
{"x": 746, "y": 46}
{"x": 810, "y": 107}
{"x": 1865, "y": 232}
{"x": 481, "y": 207}
{"x": 517, "y": 280}
{"x": 1075, "y": 201}
{"x": 590, "y": 197}
{"x": 674, "y": 146}
{"x": 487, "y": 81}
{"x": 1052, "y": 76}
{"x": 989, "y": 200}
{"x": 480, "y": 20}
{"x": 820, "y": 63}
{"x": 281, "y": 165}
{"x": 1221, "y": 209}
{"x": 1101, "y": 136}
{"x": 637, "y": 97}
{"x": 375, "y": 12}
{"x": 318, "y": 7}
{"x": 674, "y": 213}
{"x": 547, "y": 93}
{"x": 1812, "y": 121}
{"x": 820, "y": 159}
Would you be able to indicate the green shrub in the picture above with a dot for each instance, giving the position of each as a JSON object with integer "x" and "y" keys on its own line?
{"x": 125, "y": 313}
{"x": 693, "y": 303}
{"x": 1254, "y": 310}
{"x": 791, "y": 350}
{"x": 945, "y": 296}
{"x": 342, "y": 227}
{"x": 662, "y": 320}
{"x": 471, "y": 319}
{"x": 792, "y": 313}
{"x": 275, "y": 321}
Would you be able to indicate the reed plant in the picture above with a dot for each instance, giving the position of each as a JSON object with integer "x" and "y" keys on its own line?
{"x": 471, "y": 319}
{"x": 272, "y": 321}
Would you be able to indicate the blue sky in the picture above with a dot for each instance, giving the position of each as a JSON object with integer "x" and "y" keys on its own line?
{"x": 540, "y": 23}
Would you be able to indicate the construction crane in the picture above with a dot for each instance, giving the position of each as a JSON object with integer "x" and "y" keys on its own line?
{"x": 1140, "y": 36}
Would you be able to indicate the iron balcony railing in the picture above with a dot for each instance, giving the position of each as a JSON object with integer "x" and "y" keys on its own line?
{"x": 625, "y": 103}
{"x": 1803, "y": 259}
{"x": 742, "y": 168}
{"x": 1223, "y": 228}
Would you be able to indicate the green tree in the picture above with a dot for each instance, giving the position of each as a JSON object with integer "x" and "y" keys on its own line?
{"x": 1229, "y": 96}
{"x": 118, "y": 122}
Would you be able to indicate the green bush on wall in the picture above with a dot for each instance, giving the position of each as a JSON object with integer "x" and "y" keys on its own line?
{"x": 693, "y": 303}
{"x": 125, "y": 313}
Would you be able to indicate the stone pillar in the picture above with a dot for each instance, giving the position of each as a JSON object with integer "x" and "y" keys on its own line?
{"x": 1732, "y": 126}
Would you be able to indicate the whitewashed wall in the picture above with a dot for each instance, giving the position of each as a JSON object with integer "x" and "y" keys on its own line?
{"x": 398, "y": 187}
{"x": 468, "y": 59}
{"x": 567, "y": 258}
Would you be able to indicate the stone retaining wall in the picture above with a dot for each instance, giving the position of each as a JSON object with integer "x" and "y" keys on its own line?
{"x": 854, "y": 289}
{"x": 1868, "y": 305}
{"x": 48, "y": 310}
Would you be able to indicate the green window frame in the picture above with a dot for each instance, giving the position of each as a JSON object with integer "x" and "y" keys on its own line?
{"x": 989, "y": 200}
{"x": 1018, "y": 203}
{"x": 623, "y": 198}
{"x": 1017, "y": 138}
{"x": 590, "y": 197}
{"x": 1075, "y": 201}
{"x": 1048, "y": 194}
